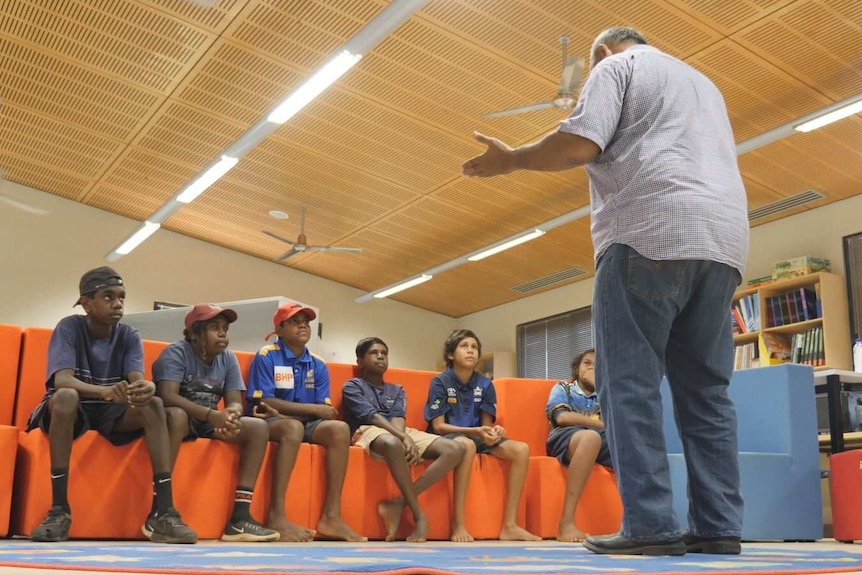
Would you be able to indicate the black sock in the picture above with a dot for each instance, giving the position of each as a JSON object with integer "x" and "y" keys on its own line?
{"x": 242, "y": 504}
{"x": 164, "y": 496}
{"x": 59, "y": 488}
{"x": 155, "y": 506}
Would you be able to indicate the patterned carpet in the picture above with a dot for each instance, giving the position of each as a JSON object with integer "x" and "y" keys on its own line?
{"x": 400, "y": 558}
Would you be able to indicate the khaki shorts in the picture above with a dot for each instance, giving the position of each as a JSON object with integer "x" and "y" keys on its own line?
{"x": 366, "y": 435}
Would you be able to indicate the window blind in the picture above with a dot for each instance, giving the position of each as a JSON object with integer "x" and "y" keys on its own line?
{"x": 546, "y": 346}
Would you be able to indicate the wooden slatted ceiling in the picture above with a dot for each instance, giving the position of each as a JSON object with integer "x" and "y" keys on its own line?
{"x": 119, "y": 103}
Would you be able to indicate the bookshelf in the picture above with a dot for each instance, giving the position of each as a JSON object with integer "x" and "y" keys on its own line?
{"x": 808, "y": 311}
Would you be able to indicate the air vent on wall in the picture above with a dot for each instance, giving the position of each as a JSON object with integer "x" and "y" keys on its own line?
{"x": 549, "y": 280}
{"x": 784, "y": 204}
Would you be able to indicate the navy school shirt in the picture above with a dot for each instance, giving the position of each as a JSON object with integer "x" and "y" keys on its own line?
{"x": 360, "y": 401}
{"x": 95, "y": 361}
{"x": 277, "y": 373}
{"x": 461, "y": 404}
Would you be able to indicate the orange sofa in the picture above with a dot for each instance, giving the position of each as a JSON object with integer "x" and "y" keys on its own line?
{"x": 10, "y": 351}
{"x": 121, "y": 475}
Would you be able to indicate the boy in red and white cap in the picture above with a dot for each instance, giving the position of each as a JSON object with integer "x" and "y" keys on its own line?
{"x": 192, "y": 376}
{"x": 295, "y": 384}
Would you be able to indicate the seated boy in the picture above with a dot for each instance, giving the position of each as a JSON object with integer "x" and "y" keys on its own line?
{"x": 577, "y": 436}
{"x": 375, "y": 411}
{"x": 295, "y": 384}
{"x": 192, "y": 376}
{"x": 96, "y": 381}
{"x": 462, "y": 404}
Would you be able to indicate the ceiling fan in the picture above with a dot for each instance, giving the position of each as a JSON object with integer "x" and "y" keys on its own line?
{"x": 573, "y": 67}
{"x": 301, "y": 244}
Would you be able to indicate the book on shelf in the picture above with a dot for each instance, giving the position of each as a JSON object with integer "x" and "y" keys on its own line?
{"x": 746, "y": 356}
{"x": 794, "y": 306}
{"x": 775, "y": 348}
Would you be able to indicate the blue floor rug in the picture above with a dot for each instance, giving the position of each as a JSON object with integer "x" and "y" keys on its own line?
{"x": 401, "y": 559}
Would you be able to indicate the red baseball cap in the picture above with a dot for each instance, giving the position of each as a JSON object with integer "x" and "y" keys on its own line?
{"x": 287, "y": 311}
{"x": 207, "y": 311}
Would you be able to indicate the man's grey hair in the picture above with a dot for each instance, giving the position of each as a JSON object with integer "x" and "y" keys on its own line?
{"x": 619, "y": 35}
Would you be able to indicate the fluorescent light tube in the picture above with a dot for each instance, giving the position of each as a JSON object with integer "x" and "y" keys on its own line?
{"x": 506, "y": 245}
{"x": 207, "y": 179}
{"x": 833, "y": 116}
{"x": 313, "y": 86}
{"x": 137, "y": 238}
{"x": 403, "y": 286}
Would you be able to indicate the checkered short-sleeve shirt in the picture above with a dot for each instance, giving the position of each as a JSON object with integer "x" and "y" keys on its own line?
{"x": 666, "y": 181}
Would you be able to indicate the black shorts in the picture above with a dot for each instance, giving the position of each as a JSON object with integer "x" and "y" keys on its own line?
{"x": 199, "y": 429}
{"x": 557, "y": 445}
{"x": 481, "y": 446}
{"x": 310, "y": 426}
{"x": 100, "y": 416}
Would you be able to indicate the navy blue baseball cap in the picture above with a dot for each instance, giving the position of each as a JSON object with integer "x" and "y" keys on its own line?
{"x": 97, "y": 279}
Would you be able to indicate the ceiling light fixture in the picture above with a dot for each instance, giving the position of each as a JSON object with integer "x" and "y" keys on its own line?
{"x": 137, "y": 238}
{"x": 791, "y": 128}
{"x": 313, "y": 86}
{"x": 506, "y": 245}
{"x": 208, "y": 178}
{"x": 387, "y": 20}
{"x": 403, "y": 286}
{"x": 829, "y": 117}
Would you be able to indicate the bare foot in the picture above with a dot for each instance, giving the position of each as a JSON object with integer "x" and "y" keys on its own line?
{"x": 517, "y": 533}
{"x": 390, "y": 512}
{"x": 460, "y": 535}
{"x": 337, "y": 529}
{"x": 420, "y": 531}
{"x": 568, "y": 533}
{"x": 289, "y": 531}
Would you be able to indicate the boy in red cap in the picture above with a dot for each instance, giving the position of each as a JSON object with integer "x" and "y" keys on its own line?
{"x": 96, "y": 381}
{"x": 192, "y": 376}
{"x": 295, "y": 383}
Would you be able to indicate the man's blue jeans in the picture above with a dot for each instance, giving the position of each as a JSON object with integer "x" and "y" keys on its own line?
{"x": 668, "y": 317}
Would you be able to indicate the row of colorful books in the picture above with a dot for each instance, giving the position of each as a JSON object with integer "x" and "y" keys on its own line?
{"x": 801, "y": 304}
{"x": 805, "y": 347}
{"x": 794, "y": 306}
{"x": 745, "y": 314}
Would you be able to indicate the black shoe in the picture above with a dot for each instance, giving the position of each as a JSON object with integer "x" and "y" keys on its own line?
{"x": 249, "y": 531}
{"x": 169, "y": 528}
{"x": 712, "y": 545}
{"x": 55, "y": 526}
{"x": 617, "y": 544}
{"x": 149, "y": 526}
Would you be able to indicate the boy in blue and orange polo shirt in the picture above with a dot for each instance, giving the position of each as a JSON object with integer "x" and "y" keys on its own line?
{"x": 293, "y": 386}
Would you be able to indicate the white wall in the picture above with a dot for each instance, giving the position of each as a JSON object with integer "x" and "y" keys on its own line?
{"x": 42, "y": 257}
{"x": 815, "y": 232}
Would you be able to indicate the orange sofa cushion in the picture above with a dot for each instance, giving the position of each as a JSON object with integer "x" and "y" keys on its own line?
{"x": 8, "y": 453}
{"x": 10, "y": 351}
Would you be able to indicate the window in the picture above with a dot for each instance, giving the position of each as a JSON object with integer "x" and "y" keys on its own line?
{"x": 546, "y": 346}
{"x": 853, "y": 267}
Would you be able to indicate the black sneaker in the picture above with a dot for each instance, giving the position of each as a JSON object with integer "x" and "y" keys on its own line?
{"x": 248, "y": 531}
{"x": 55, "y": 526}
{"x": 149, "y": 526}
{"x": 169, "y": 528}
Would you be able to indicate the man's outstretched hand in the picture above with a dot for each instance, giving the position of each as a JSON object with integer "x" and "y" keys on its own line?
{"x": 498, "y": 159}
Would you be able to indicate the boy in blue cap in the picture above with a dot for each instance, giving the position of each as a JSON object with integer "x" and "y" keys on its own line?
{"x": 96, "y": 381}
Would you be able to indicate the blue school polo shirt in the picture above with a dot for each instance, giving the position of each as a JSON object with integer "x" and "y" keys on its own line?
{"x": 278, "y": 373}
{"x": 461, "y": 403}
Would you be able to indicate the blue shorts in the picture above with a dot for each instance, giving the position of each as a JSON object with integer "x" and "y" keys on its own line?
{"x": 557, "y": 445}
{"x": 100, "y": 416}
{"x": 310, "y": 426}
{"x": 481, "y": 446}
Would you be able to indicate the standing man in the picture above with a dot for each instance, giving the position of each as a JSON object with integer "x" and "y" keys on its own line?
{"x": 670, "y": 232}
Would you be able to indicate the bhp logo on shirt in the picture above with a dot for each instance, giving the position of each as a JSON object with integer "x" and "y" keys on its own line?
{"x": 283, "y": 377}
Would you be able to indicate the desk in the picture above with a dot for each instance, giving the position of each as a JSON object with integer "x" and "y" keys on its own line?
{"x": 832, "y": 382}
